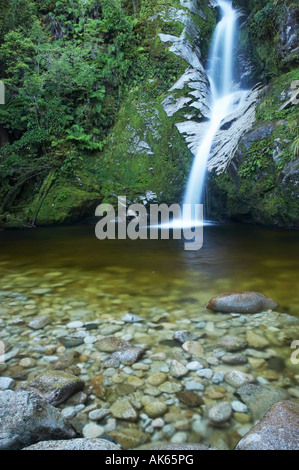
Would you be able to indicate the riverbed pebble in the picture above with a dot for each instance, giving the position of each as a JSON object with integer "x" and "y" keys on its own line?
{"x": 220, "y": 413}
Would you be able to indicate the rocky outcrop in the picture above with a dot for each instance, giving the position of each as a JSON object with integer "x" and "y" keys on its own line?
{"x": 277, "y": 430}
{"x": 261, "y": 182}
{"x": 194, "y": 105}
{"x": 288, "y": 49}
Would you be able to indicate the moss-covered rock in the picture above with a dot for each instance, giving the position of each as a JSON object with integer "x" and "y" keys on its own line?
{"x": 261, "y": 184}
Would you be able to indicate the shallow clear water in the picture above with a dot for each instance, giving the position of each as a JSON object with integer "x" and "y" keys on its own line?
{"x": 68, "y": 274}
{"x": 160, "y": 272}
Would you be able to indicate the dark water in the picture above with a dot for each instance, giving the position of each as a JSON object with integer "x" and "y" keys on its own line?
{"x": 155, "y": 272}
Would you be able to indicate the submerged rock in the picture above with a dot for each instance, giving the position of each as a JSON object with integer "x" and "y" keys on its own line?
{"x": 111, "y": 344}
{"x": 278, "y": 430}
{"x": 26, "y": 418}
{"x": 54, "y": 386}
{"x": 259, "y": 399}
{"x": 40, "y": 322}
{"x": 241, "y": 302}
{"x": 236, "y": 378}
{"x": 232, "y": 343}
{"x": 123, "y": 409}
{"x": 183, "y": 336}
{"x": 129, "y": 438}
{"x": 220, "y": 413}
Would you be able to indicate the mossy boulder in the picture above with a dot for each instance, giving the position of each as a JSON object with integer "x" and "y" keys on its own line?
{"x": 54, "y": 386}
{"x": 261, "y": 184}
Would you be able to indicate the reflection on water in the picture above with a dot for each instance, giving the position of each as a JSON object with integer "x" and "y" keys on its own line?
{"x": 234, "y": 257}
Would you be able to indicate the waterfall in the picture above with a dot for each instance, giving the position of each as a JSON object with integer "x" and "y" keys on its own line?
{"x": 220, "y": 74}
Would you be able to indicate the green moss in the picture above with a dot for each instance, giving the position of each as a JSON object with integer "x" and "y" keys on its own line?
{"x": 145, "y": 152}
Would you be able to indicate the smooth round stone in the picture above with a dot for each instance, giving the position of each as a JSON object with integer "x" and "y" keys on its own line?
{"x": 71, "y": 341}
{"x": 92, "y": 430}
{"x": 27, "y": 362}
{"x": 219, "y": 352}
{"x": 206, "y": 373}
{"x": 262, "y": 381}
{"x": 136, "y": 382}
{"x": 90, "y": 339}
{"x": 232, "y": 343}
{"x": 40, "y": 291}
{"x": 199, "y": 427}
{"x": 194, "y": 385}
{"x": 69, "y": 412}
{"x": 168, "y": 430}
{"x": 123, "y": 409}
{"x": 158, "y": 423}
{"x": 177, "y": 369}
{"x": 255, "y": 340}
{"x": 212, "y": 361}
{"x": 131, "y": 318}
{"x": 79, "y": 408}
{"x": 75, "y": 324}
{"x": 194, "y": 366}
{"x": 179, "y": 438}
{"x": 218, "y": 377}
{"x": 234, "y": 359}
{"x": 220, "y": 413}
{"x": 237, "y": 378}
{"x": 90, "y": 325}
{"x": 170, "y": 387}
{"x": 98, "y": 414}
{"x": 155, "y": 409}
{"x": 7, "y": 383}
{"x": 239, "y": 407}
{"x": 294, "y": 392}
{"x": 194, "y": 348}
{"x": 110, "y": 329}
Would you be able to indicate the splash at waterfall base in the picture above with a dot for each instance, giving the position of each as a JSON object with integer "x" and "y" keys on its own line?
{"x": 163, "y": 219}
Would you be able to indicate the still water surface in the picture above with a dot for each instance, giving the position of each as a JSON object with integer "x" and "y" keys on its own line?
{"x": 156, "y": 272}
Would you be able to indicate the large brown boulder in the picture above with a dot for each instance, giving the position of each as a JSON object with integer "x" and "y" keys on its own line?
{"x": 241, "y": 302}
{"x": 277, "y": 430}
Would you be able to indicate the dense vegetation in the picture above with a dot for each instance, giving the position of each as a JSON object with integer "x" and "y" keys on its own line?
{"x": 83, "y": 120}
{"x": 68, "y": 66}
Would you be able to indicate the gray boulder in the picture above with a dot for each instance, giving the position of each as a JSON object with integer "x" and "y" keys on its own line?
{"x": 54, "y": 386}
{"x": 259, "y": 399}
{"x": 278, "y": 430}
{"x": 26, "y": 418}
{"x": 75, "y": 444}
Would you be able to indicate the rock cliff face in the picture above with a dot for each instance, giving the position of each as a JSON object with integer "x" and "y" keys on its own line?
{"x": 146, "y": 151}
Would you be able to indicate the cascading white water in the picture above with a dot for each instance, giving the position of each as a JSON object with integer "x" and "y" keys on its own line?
{"x": 220, "y": 74}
